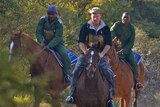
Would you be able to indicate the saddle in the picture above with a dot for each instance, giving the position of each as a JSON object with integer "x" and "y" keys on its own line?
{"x": 73, "y": 57}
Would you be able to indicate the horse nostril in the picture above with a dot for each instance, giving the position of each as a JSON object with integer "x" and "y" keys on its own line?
{"x": 90, "y": 74}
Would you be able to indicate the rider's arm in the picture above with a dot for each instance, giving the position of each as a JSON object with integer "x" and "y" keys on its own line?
{"x": 114, "y": 29}
{"x": 39, "y": 30}
{"x": 107, "y": 41}
{"x": 105, "y": 50}
{"x": 82, "y": 38}
{"x": 129, "y": 45}
{"x": 58, "y": 36}
{"x": 83, "y": 47}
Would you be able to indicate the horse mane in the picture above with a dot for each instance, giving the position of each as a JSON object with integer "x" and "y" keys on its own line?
{"x": 27, "y": 36}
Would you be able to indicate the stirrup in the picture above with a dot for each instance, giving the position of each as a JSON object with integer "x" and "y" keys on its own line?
{"x": 138, "y": 86}
{"x": 70, "y": 100}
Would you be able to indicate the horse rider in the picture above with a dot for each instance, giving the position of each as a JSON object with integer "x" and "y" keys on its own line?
{"x": 94, "y": 32}
{"x": 49, "y": 33}
{"x": 125, "y": 33}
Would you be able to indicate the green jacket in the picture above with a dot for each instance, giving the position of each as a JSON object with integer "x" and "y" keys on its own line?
{"x": 50, "y": 32}
{"x": 126, "y": 35}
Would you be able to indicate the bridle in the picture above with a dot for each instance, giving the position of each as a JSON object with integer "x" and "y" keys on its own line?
{"x": 19, "y": 47}
{"x": 90, "y": 73}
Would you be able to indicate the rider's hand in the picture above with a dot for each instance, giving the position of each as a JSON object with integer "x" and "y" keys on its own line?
{"x": 86, "y": 51}
{"x": 101, "y": 55}
{"x": 47, "y": 46}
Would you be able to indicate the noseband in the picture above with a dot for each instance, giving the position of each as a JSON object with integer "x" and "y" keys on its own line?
{"x": 91, "y": 67}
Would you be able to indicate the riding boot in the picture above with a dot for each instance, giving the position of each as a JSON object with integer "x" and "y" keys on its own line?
{"x": 106, "y": 69}
{"x": 76, "y": 72}
{"x": 71, "y": 99}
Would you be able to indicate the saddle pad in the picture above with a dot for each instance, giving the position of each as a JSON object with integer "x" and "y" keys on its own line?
{"x": 73, "y": 56}
{"x": 137, "y": 57}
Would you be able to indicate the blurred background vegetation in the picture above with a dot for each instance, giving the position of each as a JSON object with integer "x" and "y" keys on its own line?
{"x": 16, "y": 89}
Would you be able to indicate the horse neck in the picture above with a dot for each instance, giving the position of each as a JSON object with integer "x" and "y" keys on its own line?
{"x": 30, "y": 47}
{"x": 114, "y": 60}
{"x": 90, "y": 83}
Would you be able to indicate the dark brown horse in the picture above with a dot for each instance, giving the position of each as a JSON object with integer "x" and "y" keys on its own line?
{"x": 45, "y": 67}
{"x": 124, "y": 81}
{"x": 91, "y": 86}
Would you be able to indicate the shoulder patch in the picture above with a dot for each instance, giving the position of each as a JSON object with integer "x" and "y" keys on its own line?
{"x": 60, "y": 21}
{"x": 42, "y": 17}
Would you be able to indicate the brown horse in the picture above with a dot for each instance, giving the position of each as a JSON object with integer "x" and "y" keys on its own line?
{"x": 91, "y": 89}
{"x": 45, "y": 67}
{"x": 124, "y": 81}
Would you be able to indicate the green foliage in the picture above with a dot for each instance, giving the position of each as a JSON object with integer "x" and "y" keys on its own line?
{"x": 149, "y": 49}
{"x": 11, "y": 80}
{"x": 150, "y": 28}
{"x": 147, "y": 13}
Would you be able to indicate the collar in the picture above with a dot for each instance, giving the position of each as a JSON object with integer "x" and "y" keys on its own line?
{"x": 102, "y": 24}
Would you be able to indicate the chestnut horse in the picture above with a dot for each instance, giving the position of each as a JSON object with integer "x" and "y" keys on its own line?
{"x": 45, "y": 67}
{"x": 91, "y": 89}
{"x": 124, "y": 81}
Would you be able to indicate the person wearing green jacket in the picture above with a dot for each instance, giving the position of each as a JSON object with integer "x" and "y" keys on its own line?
{"x": 125, "y": 33}
{"x": 49, "y": 33}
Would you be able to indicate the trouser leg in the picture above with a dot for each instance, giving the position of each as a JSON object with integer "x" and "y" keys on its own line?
{"x": 130, "y": 59}
{"x": 106, "y": 69}
{"x": 65, "y": 58}
{"x": 78, "y": 68}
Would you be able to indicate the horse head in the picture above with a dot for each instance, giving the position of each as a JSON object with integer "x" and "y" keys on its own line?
{"x": 112, "y": 53}
{"x": 92, "y": 59}
{"x": 22, "y": 43}
{"x": 15, "y": 44}
{"x": 117, "y": 44}
{"x": 91, "y": 87}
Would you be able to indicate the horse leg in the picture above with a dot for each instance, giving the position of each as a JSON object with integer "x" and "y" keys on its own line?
{"x": 55, "y": 99}
{"x": 136, "y": 98}
{"x": 127, "y": 100}
{"x": 122, "y": 102}
{"x": 37, "y": 97}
